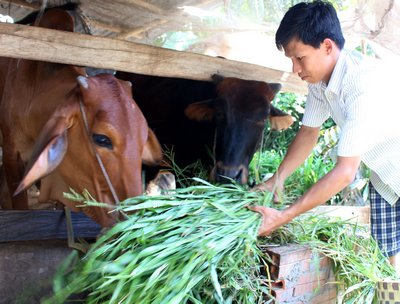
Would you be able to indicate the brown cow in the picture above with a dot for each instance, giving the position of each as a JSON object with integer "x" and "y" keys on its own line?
{"x": 224, "y": 118}
{"x": 61, "y": 127}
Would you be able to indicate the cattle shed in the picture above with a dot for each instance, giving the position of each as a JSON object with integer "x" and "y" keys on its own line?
{"x": 124, "y": 33}
{"x": 135, "y": 36}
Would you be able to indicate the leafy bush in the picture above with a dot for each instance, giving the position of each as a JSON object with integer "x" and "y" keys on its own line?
{"x": 321, "y": 161}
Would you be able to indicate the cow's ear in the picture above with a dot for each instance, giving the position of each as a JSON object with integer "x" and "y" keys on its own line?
{"x": 50, "y": 147}
{"x": 45, "y": 163}
{"x": 57, "y": 19}
{"x": 279, "y": 120}
{"x": 200, "y": 111}
{"x": 152, "y": 153}
{"x": 217, "y": 78}
{"x": 276, "y": 87}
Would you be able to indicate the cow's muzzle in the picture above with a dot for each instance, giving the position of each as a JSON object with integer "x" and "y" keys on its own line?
{"x": 227, "y": 174}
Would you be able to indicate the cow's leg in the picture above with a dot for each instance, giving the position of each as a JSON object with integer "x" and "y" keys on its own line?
{"x": 5, "y": 199}
{"x": 14, "y": 171}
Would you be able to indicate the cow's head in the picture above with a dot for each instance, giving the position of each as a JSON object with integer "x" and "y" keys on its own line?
{"x": 239, "y": 112}
{"x": 99, "y": 120}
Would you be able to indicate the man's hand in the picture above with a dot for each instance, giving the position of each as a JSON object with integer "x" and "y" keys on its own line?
{"x": 271, "y": 219}
{"x": 273, "y": 185}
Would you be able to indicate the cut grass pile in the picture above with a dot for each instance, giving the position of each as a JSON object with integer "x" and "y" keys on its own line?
{"x": 199, "y": 245}
{"x": 357, "y": 262}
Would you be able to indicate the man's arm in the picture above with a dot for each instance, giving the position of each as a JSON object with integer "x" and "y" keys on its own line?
{"x": 333, "y": 182}
{"x": 298, "y": 151}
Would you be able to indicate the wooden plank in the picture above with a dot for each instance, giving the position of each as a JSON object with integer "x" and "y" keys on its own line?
{"x": 27, "y": 269}
{"x": 21, "y": 41}
{"x": 24, "y": 225}
{"x": 355, "y": 214}
{"x": 22, "y": 3}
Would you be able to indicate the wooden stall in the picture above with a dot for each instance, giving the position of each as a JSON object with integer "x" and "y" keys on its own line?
{"x": 33, "y": 243}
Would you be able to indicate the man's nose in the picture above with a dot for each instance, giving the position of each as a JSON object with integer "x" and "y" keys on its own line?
{"x": 296, "y": 68}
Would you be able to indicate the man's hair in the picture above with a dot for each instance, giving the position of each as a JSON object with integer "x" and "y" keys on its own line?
{"x": 311, "y": 23}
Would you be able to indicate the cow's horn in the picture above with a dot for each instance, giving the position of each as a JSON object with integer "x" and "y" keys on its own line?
{"x": 275, "y": 87}
{"x": 83, "y": 81}
{"x": 217, "y": 78}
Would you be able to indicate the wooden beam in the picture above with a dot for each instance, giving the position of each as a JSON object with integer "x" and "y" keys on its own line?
{"x": 25, "y": 225}
{"x": 355, "y": 214}
{"x": 138, "y": 32}
{"x": 96, "y": 24}
{"x": 22, "y": 3}
{"x": 144, "y": 5}
{"x": 21, "y": 41}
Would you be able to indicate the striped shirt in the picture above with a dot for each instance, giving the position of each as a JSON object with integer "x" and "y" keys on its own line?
{"x": 362, "y": 100}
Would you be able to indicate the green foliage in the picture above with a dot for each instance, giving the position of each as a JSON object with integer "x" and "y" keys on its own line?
{"x": 274, "y": 147}
{"x": 184, "y": 176}
{"x": 292, "y": 104}
{"x": 199, "y": 245}
{"x": 275, "y": 144}
{"x": 196, "y": 245}
{"x": 319, "y": 163}
{"x": 267, "y": 162}
{"x": 358, "y": 262}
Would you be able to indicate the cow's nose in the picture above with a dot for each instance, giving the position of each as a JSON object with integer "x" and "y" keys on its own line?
{"x": 225, "y": 175}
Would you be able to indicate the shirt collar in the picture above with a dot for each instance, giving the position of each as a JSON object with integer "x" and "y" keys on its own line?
{"x": 335, "y": 81}
{"x": 336, "y": 78}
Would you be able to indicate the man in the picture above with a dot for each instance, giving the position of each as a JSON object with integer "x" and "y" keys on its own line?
{"x": 350, "y": 89}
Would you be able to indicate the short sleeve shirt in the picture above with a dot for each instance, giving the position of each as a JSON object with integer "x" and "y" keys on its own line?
{"x": 360, "y": 100}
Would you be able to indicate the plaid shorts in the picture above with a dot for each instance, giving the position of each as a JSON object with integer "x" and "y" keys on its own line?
{"x": 385, "y": 223}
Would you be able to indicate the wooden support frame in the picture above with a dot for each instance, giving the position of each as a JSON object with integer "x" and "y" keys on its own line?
{"x": 28, "y": 225}
{"x": 27, "y": 42}
{"x": 22, "y": 3}
{"x": 354, "y": 214}
{"x": 34, "y": 43}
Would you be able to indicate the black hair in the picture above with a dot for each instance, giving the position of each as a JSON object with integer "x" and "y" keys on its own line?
{"x": 311, "y": 23}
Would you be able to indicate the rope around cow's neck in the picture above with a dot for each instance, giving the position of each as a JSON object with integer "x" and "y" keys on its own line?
{"x": 99, "y": 161}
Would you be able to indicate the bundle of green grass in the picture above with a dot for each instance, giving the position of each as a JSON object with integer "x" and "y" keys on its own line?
{"x": 196, "y": 245}
{"x": 199, "y": 245}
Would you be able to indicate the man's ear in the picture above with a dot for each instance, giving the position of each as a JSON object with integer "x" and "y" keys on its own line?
{"x": 328, "y": 45}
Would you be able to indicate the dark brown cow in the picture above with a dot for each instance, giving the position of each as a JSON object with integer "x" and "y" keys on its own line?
{"x": 223, "y": 119}
{"x": 61, "y": 127}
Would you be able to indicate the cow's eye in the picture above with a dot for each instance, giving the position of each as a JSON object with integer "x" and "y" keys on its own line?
{"x": 219, "y": 115}
{"x": 102, "y": 141}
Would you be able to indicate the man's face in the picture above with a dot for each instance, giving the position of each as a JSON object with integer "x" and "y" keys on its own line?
{"x": 311, "y": 64}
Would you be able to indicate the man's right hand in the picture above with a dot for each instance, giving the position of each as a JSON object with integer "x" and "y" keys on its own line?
{"x": 271, "y": 219}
